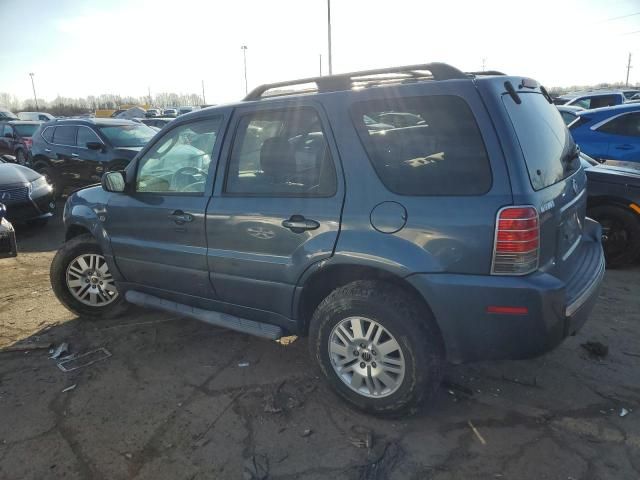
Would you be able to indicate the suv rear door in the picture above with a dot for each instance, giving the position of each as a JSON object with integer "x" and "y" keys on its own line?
{"x": 276, "y": 205}
{"x": 64, "y": 155}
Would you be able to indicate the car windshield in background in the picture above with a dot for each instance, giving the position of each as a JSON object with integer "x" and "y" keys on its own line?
{"x": 26, "y": 130}
{"x": 547, "y": 146}
{"x": 128, "y": 135}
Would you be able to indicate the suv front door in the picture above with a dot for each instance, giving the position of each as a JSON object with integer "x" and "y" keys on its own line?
{"x": 157, "y": 228}
{"x": 276, "y": 207}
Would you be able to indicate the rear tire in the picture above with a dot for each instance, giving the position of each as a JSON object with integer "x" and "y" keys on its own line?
{"x": 77, "y": 287}
{"x": 620, "y": 234}
{"x": 351, "y": 338}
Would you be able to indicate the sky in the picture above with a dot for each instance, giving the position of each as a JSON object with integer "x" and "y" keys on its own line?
{"x": 78, "y": 48}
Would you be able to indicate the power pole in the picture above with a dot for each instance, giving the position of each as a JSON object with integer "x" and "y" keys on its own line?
{"x": 320, "y": 64}
{"x": 149, "y": 91}
{"x": 35, "y": 97}
{"x": 329, "y": 34}
{"x": 244, "y": 53}
{"x": 204, "y": 102}
{"x": 628, "y": 68}
{"x": 484, "y": 63}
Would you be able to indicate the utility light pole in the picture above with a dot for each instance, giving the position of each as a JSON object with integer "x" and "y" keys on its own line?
{"x": 244, "y": 53}
{"x": 320, "y": 64}
{"x": 35, "y": 97}
{"x": 204, "y": 102}
{"x": 484, "y": 63}
{"x": 329, "y": 34}
{"x": 628, "y": 68}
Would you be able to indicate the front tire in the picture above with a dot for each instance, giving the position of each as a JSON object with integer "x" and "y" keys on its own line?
{"x": 377, "y": 346}
{"x": 82, "y": 282}
{"x": 620, "y": 232}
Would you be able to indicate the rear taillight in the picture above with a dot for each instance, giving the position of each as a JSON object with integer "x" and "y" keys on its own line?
{"x": 27, "y": 143}
{"x": 517, "y": 241}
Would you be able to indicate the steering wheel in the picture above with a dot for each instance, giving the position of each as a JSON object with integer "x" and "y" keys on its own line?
{"x": 185, "y": 176}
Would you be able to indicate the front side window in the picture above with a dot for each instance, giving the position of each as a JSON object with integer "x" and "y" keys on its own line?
{"x": 85, "y": 135}
{"x": 179, "y": 161}
{"x": 6, "y": 130}
{"x": 128, "y": 135}
{"x": 430, "y": 146}
{"x": 65, "y": 135}
{"x": 281, "y": 153}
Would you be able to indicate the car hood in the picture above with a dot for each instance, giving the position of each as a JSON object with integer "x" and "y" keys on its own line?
{"x": 614, "y": 173}
{"x": 128, "y": 152}
{"x": 11, "y": 174}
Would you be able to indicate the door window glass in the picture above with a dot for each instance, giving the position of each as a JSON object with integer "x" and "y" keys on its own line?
{"x": 65, "y": 135}
{"x": 626, "y": 125}
{"x": 85, "y": 134}
{"x": 281, "y": 153}
{"x": 179, "y": 160}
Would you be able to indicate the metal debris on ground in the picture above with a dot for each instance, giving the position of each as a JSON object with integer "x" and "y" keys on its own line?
{"x": 362, "y": 437}
{"x": 243, "y": 364}
{"x": 631, "y": 354}
{"x": 476, "y": 432}
{"x": 596, "y": 349}
{"x": 256, "y": 468}
{"x": 451, "y": 386}
{"x": 624, "y": 412}
{"x": 68, "y": 389}
{"x": 307, "y": 432}
{"x": 27, "y": 347}
{"x": 80, "y": 361}
{"x": 60, "y": 351}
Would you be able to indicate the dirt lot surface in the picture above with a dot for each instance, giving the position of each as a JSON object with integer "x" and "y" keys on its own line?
{"x": 182, "y": 400}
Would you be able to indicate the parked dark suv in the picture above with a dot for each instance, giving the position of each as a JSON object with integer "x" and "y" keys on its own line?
{"x": 458, "y": 236}
{"x": 16, "y": 139}
{"x": 75, "y": 152}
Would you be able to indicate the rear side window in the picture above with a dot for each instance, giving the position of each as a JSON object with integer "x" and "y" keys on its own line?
{"x": 545, "y": 141}
{"x": 626, "y": 125}
{"x": 65, "y": 135}
{"x": 424, "y": 145}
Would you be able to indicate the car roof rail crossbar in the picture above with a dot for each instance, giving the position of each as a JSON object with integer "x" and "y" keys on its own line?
{"x": 346, "y": 81}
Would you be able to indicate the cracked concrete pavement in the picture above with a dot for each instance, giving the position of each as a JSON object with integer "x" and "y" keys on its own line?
{"x": 175, "y": 402}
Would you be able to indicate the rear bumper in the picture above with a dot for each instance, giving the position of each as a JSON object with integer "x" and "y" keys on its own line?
{"x": 555, "y": 308}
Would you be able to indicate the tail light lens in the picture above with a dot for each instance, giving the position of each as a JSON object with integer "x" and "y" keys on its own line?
{"x": 28, "y": 143}
{"x": 517, "y": 241}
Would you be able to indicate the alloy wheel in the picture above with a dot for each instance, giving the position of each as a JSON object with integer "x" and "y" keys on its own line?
{"x": 89, "y": 280}
{"x": 366, "y": 357}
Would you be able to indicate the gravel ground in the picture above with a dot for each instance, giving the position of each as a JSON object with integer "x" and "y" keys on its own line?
{"x": 182, "y": 400}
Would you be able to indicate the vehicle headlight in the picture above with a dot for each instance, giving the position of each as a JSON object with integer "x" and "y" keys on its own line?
{"x": 38, "y": 183}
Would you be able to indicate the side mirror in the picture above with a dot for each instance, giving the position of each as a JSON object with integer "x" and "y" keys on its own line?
{"x": 95, "y": 145}
{"x": 113, "y": 182}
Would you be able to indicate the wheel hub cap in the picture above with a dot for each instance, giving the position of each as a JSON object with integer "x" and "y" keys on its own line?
{"x": 366, "y": 357}
{"x": 89, "y": 280}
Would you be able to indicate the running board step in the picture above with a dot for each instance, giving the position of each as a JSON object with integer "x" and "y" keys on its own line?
{"x": 218, "y": 319}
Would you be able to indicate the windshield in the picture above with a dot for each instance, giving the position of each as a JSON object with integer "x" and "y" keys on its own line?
{"x": 26, "y": 130}
{"x": 128, "y": 135}
{"x": 548, "y": 149}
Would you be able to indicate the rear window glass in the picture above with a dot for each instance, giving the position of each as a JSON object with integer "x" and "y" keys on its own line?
{"x": 26, "y": 130}
{"x": 48, "y": 134}
{"x": 545, "y": 141}
{"x": 424, "y": 145}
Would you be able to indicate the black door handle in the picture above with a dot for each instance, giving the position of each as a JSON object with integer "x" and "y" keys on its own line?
{"x": 298, "y": 224}
{"x": 180, "y": 217}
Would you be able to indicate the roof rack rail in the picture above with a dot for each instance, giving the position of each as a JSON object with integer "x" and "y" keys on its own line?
{"x": 486, "y": 72}
{"x": 345, "y": 81}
